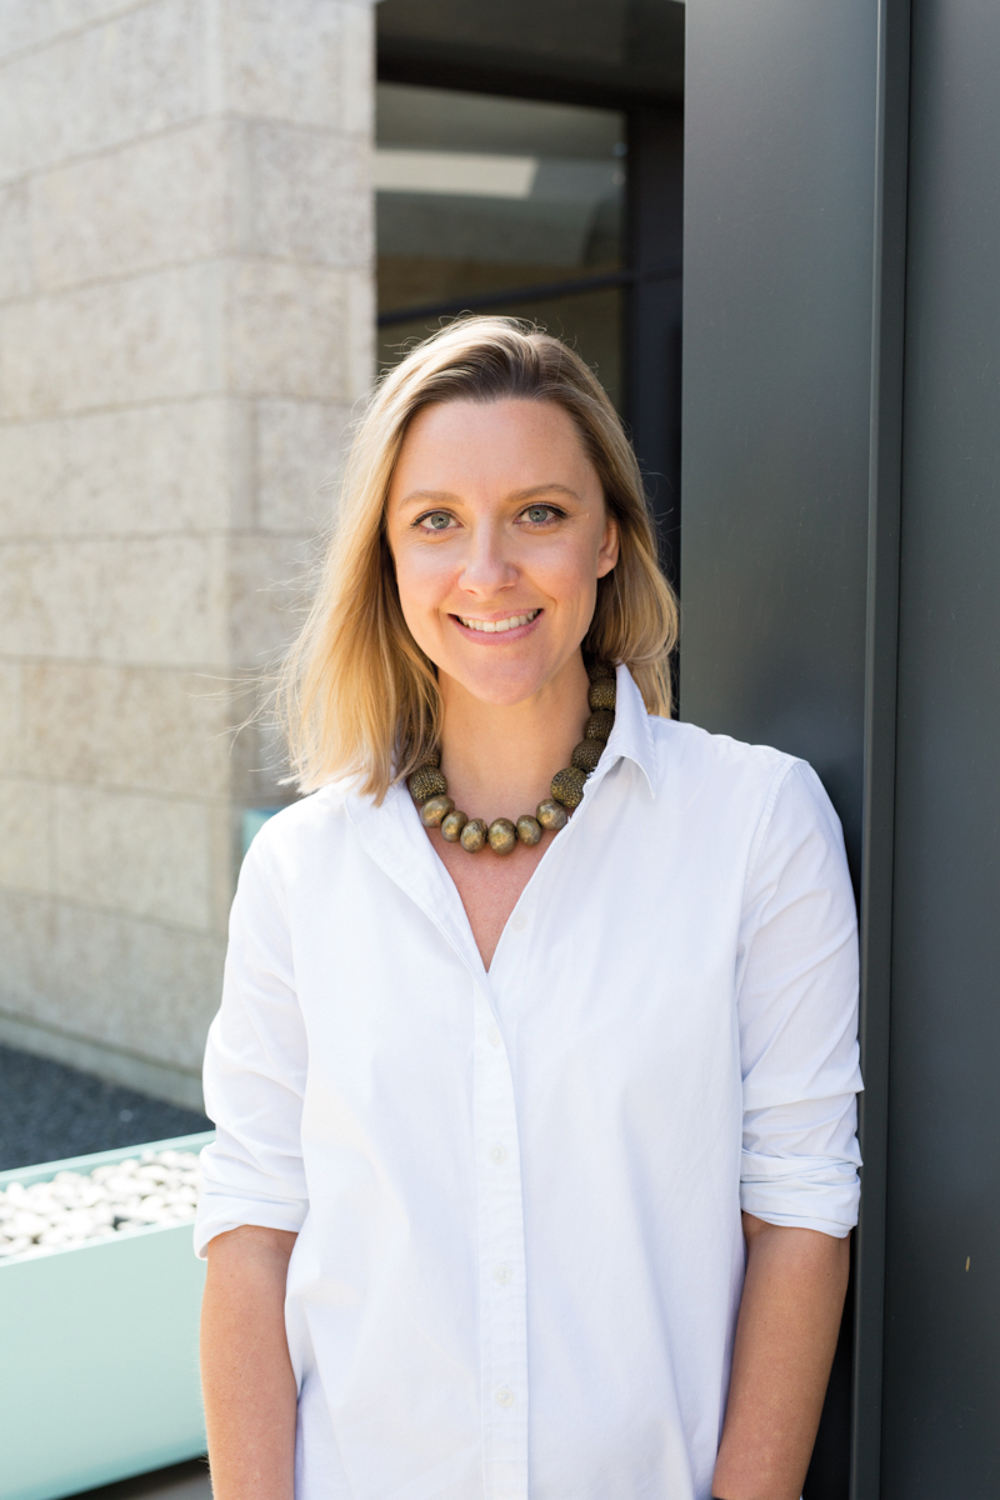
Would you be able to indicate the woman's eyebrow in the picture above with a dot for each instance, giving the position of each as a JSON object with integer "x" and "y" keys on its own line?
{"x": 543, "y": 489}
{"x": 422, "y": 497}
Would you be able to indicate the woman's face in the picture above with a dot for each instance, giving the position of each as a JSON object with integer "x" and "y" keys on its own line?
{"x": 497, "y": 524}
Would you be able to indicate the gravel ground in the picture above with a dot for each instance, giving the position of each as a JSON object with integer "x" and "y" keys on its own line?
{"x": 49, "y": 1111}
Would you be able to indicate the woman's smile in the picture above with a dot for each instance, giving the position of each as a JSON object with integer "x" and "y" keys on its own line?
{"x": 510, "y": 627}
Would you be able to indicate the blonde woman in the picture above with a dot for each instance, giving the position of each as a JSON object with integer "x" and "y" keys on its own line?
{"x": 535, "y": 1070}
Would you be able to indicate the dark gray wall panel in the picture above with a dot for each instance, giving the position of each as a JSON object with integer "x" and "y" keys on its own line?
{"x": 942, "y": 1370}
{"x": 779, "y": 184}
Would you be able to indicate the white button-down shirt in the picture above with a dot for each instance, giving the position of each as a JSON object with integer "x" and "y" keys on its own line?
{"x": 517, "y": 1192}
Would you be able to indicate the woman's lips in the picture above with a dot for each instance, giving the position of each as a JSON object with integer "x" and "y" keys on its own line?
{"x": 512, "y": 627}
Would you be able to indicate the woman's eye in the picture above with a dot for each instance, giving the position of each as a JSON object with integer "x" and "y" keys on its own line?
{"x": 438, "y": 520}
{"x": 539, "y": 514}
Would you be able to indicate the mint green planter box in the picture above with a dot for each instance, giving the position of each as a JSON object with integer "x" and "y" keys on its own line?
{"x": 99, "y": 1352}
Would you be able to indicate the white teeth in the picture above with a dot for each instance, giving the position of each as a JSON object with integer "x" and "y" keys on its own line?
{"x": 491, "y": 627}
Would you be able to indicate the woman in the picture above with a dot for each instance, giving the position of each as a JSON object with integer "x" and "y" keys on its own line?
{"x": 535, "y": 1070}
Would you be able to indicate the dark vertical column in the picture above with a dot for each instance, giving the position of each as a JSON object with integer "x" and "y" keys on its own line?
{"x": 942, "y": 1351}
{"x": 780, "y": 462}
{"x": 881, "y": 656}
{"x": 653, "y": 334}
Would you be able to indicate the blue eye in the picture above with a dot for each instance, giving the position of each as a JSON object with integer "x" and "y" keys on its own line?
{"x": 438, "y": 520}
{"x": 539, "y": 514}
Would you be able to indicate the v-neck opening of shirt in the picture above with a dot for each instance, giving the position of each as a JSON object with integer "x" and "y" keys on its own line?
{"x": 532, "y": 878}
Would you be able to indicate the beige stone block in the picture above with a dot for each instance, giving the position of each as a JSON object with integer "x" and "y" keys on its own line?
{"x": 286, "y": 61}
{"x": 357, "y": 75}
{"x": 126, "y": 982}
{"x": 11, "y": 716}
{"x": 291, "y": 331}
{"x": 159, "y": 601}
{"x": 312, "y": 195}
{"x": 129, "y": 852}
{"x": 151, "y": 338}
{"x": 270, "y": 586}
{"x": 359, "y": 333}
{"x": 25, "y": 834}
{"x": 139, "y": 728}
{"x": 93, "y": 89}
{"x": 300, "y": 451}
{"x": 145, "y": 470}
{"x": 31, "y": 23}
{"x": 151, "y": 203}
{"x": 16, "y": 271}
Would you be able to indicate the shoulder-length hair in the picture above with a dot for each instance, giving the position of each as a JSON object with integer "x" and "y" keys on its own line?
{"x": 358, "y": 697}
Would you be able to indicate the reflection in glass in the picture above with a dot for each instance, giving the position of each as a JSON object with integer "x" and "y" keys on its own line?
{"x": 502, "y": 205}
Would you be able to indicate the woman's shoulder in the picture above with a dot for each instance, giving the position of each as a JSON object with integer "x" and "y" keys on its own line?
{"x": 292, "y": 837}
{"x": 747, "y": 781}
{"x": 686, "y": 748}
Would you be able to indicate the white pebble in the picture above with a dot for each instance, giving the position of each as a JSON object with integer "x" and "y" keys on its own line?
{"x": 156, "y": 1187}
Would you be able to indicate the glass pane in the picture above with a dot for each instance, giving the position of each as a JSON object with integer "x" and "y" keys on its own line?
{"x": 480, "y": 199}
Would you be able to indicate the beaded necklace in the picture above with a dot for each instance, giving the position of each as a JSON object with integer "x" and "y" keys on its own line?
{"x": 429, "y": 787}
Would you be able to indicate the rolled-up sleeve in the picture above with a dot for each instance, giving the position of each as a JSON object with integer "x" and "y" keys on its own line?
{"x": 255, "y": 1066}
{"x": 797, "y": 986}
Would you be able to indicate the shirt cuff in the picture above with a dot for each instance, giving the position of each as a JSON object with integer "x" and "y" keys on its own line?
{"x": 801, "y": 1193}
{"x": 217, "y": 1214}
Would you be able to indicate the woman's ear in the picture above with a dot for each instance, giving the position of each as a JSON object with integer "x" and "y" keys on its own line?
{"x": 608, "y": 554}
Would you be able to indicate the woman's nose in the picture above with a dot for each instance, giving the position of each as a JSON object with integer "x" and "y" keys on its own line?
{"x": 488, "y": 565}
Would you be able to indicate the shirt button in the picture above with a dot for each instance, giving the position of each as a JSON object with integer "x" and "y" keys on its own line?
{"x": 519, "y": 921}
{"x": 502, "y": 1275}
{"x": 505, "y": 1396}
{"x": 494, "y": 1036}
{"x": 498, "y": 1155}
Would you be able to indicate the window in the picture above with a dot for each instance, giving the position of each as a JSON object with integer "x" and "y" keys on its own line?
{"x": 501, "y": 205}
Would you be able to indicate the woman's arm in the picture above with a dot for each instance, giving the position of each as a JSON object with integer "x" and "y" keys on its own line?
{"x": 246, "y": 1374}
{"x": 793, "y": 1298}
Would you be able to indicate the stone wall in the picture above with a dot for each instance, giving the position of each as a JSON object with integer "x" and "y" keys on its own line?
{"x": 186, "y": 319}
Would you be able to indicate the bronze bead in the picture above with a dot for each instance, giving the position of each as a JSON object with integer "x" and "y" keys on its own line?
{"x": 529, "y": 830}
{"x": 596, "y": 669}
{"x": 434, "y": 810}
{"x": 473, "y": 835}
{"x": 602, "y": 693}
{"x": 599, "y": 725}
{"x": 567, "y": 786}
{"x": 452, "y": 825}
{"x": 427, "y": 781}
{"x": 587, "y": 754}
{"x": 502, "y": 836}
{"x": 551, "y": 815}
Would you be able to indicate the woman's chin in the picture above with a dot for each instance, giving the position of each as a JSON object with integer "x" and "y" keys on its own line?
{"x": 498, "y": 684}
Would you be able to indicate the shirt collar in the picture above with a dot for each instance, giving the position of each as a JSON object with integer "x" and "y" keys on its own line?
{"x": 632, "y": 736}
{"x": 631, "y": 739}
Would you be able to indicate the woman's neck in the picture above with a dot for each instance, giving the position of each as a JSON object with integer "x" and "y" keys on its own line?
{"x": 499, "y": 761}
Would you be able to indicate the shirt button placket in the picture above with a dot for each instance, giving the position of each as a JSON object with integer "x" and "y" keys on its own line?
{"x": 503, "y": 1310}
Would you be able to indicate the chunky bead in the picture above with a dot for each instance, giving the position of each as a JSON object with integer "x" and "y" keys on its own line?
{"x": 452, "y": 824}
{"x": 599, "y": 725}
{"x": 529, "y": 830}
{"x": 427, "y": 781}
{"x": 602, "y": 693}
{"x": 567, "y": 786}
{"x": 587, "y": 754}
{"x": 434, "y": 810}
{"x": 551, "y": 815}
{"x": 502, "y": 836}
{"x": 473, "y": 835}
{"x": 596, "y": 669}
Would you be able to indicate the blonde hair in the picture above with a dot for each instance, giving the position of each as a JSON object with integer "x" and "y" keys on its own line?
{"x": 358, "y": 696}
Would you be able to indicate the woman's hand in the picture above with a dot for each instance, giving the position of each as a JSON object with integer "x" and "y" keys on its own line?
{"x": 793, "y": 1298}
{"x": 246, "y": 1374}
